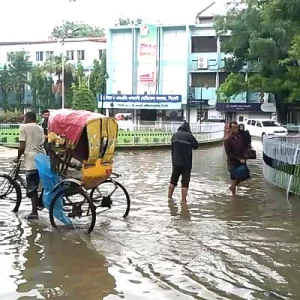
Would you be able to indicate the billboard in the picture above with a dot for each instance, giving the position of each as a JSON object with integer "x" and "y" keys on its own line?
{"x": 147, "y": 54}
{"x": 162, "y": 102}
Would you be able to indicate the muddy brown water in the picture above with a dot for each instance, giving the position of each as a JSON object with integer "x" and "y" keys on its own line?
{"x": 212, "y": 248}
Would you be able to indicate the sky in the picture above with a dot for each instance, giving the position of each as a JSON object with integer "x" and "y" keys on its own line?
{"x": 35, "y": 19}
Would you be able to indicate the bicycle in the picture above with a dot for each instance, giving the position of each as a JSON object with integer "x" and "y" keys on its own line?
{"x": 10, "y": 184}
{"x": 13, "y": 181}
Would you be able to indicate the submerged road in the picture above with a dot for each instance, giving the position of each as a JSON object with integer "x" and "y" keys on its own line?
{"x": 215, "y": 247}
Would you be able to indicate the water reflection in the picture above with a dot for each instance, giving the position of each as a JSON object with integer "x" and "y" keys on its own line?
{"x": 49, "y": 265}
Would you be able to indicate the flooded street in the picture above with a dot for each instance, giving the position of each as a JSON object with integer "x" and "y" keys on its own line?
{"x": 212, "y": 248}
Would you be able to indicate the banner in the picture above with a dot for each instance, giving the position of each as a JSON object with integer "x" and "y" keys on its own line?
{"x": 147, "y": 55}
{"x": 140, "y": 101}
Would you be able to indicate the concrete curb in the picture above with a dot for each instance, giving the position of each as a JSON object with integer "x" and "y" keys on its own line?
{"x": 132, "y": 147}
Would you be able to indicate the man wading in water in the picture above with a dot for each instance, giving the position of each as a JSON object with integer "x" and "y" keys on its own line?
{"x": 31, "y": 143}
{"x": 183, "y": 143}
{"x": 236, "y": 157}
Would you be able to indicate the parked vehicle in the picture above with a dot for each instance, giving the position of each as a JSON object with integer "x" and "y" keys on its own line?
{"x": 124, "y": 121}
{"x": 265, "y": 128}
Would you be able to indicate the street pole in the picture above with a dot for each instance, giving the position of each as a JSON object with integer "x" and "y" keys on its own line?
{"x": 102, "y": 104}
{"x": 201, "y": 105}
{"x": 104, "y": 94}
{"x": 68, "y": 33}
{"x": 63, "y": 77}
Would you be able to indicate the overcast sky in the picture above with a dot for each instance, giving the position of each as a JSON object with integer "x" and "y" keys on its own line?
{"x": 34, "y": 19}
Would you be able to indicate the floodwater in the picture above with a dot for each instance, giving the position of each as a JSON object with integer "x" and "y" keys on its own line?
{"x": 215, "y": 247}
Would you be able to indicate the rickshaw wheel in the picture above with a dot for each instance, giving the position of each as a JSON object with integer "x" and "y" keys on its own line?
{"x": 10, "y": 190}
{"x": 77, "y": 209}
{"x": 106, "y": 200}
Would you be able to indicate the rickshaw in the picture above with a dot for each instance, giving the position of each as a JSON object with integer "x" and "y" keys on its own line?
{"x": 81, "y": 151}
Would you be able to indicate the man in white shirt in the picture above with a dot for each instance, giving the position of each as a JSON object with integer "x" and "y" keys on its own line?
{"x": 31, "y": 143}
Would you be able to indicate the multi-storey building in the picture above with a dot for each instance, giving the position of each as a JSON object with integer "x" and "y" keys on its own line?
{"x": 84, "y": 50}
{"x": 148, "y": 65}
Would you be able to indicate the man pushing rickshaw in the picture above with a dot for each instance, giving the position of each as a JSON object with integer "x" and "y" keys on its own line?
{"x": 81, "y": 148}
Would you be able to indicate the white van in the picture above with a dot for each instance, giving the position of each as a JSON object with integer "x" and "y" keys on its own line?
{"x": 265, "y": 128}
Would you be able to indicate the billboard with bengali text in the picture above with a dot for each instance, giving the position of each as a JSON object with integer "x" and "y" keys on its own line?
{"x": 163, "y": 102}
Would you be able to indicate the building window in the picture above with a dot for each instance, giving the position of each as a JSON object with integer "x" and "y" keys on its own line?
{"x": 39, "y": 56}
{"x": 203, "y": 79}
{"x": 222, "y": 77}
{"x": 201, "y": 44}
{"x": 49, "y": 54}
{"x": 100, "y": 54}
{"x": 70, "y": 55}
{"x": 80, "y": 54}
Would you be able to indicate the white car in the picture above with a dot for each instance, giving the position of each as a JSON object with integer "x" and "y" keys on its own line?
{"x": 125, "y": 125}
{"x": 265, "y": 128}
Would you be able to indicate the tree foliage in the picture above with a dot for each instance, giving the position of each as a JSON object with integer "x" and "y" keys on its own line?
{"x": 123, "y": 21}
{"x": 265, "y": 44}
{"x": 4, "y": 78}
{"x": 76, "y": 30}
{"x": 41, "y": 88}
{"x": 83, "y": 98}
{"x": 14, "y": 78}
{"x": 53, "y": 66}
{"x": 99, "y": 76}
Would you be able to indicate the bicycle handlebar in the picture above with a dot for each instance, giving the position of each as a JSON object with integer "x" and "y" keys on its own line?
{"x": 115, "y": 175}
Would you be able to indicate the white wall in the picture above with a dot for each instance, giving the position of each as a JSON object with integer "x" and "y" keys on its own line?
{"x": 174, "y": 54}
{"x": 91, "y": 49}
{"x": 121, "y": 62}
{"x": 193, "y": 115}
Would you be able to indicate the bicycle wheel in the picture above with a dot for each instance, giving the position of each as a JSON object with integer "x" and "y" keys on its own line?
{"x": 10, "y": 190}
{"x": 81, "y": 213}
{"x": 109, "y": 194}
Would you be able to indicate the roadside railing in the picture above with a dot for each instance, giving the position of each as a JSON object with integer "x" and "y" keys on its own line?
{"x": 138, "y": 135}
{"x": 169, "y": 126}
{"x": 281, "y": 157}
{"x": 292, "y": 128}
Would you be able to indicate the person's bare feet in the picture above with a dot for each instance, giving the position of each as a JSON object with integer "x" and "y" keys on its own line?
{"x": 233, "y": 190}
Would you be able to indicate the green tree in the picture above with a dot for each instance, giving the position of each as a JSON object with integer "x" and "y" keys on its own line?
{"x": 95, "y": 78}
{"x": 83, "y": 98}
{"x": 54, "y": 67}
{"x": 76, "y": 30}
{"x": 99, "y": 76}
{"x": 4, "y": 78}
{"x": 41, "y": 88}
{"x": 123, "y": 21}
{"x": 79, "y": 73}
{"x": 260, "y": 45}
{"x": 18, "y": 70}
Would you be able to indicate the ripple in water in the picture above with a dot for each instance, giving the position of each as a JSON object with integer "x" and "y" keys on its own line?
{"x": 215, "y": 247}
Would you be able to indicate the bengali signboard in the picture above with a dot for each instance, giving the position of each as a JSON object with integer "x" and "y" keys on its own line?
{"x": 162, "y": 102}
{"x": 148, "y": 52}
{"x": 236, "y": 107}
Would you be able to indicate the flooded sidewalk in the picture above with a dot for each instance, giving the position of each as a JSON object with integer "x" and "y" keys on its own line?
{"x": 213, "y": 247}
{"x": 8, "y": 152}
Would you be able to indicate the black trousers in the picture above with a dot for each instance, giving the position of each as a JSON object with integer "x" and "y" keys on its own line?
{"x": 185, "y": 176}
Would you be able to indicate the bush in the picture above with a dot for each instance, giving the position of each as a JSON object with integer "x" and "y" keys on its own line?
{"x": 11, "y": 117}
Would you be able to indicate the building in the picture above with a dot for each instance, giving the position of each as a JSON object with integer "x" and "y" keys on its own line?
{"x": 85, "y": 50}
{"x": 170, "y": 72}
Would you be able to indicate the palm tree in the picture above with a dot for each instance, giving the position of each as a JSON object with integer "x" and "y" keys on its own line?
{"x": 54, "y": 67}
